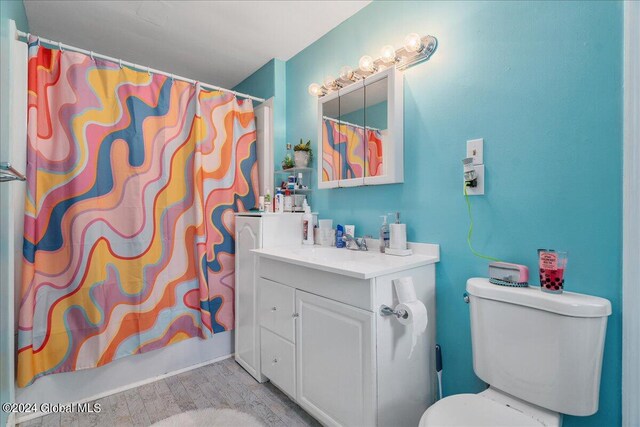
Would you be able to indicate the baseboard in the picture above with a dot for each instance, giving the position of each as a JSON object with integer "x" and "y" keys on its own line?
{"x": 27, "y": 417}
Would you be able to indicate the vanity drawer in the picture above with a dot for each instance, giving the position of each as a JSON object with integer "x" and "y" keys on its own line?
{"x": 277, "y": 308}
{"x": 277, "y": 357}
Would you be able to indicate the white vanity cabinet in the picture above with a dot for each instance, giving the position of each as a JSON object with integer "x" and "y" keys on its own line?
{"x": 335, "y": 348}
{"x": 326, "y": 345}
{"x": 255, "y": 231}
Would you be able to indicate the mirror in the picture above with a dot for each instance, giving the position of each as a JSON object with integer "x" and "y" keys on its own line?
{"x": 361, "y": 132}
{"x": 351, "y": 130}
{"x": 376, "y": 106}
{"x": 329, "y": 148}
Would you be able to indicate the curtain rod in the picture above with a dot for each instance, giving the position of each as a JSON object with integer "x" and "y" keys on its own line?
{"x": 342, "y": 122}
{"x": 63, "y": 46}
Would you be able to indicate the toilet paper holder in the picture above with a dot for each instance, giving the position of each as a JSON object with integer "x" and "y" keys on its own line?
{"x": 385, "y": 310}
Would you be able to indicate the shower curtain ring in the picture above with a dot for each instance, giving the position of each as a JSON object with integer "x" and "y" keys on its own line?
{"x": 148, "y": 70}
{"x": 120, "y": 62}
{"x": 91, "y": 55}
{"x": 172, "y": 76}
{"x": 38, "y": 41}
{"x": 60, "y": 47}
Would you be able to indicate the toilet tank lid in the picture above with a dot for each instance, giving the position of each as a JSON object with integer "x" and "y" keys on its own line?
{"x": 567, "y": 303}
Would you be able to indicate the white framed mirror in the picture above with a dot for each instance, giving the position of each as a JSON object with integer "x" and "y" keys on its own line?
{"x": 360, "y": 133}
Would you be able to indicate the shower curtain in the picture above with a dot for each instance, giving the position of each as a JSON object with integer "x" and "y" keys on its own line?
{"x": 133, "y": 180}
{"x": 343, "y": 151}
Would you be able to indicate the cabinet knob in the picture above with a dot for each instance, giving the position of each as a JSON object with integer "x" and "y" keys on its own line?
{"x": 275, "y": 360}
{"x": 274, "y": 308}
{"x": 295, "y": 315}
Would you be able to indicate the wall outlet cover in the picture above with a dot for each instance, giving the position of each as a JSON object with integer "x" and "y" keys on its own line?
{"x": 478, "y": 190}
{"x": 475, "y": 149}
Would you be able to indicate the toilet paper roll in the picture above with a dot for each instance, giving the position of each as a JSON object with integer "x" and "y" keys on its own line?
{"x": 398, "y": 236}
{"x": 405, "y": 290}
{"x": 416, "y": 319}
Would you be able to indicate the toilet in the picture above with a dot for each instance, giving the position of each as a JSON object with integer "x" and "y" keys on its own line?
{"x": 540, "y": 353}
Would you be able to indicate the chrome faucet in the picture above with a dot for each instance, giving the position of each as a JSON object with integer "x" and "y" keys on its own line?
{"x": 356, "y": 244}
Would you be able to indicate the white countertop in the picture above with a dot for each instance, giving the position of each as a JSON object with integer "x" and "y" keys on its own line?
{"x": 358, "y": 264}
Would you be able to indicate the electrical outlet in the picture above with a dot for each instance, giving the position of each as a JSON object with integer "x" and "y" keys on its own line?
{"x": 478, "y": 190}
{"x": 475, "y": 149}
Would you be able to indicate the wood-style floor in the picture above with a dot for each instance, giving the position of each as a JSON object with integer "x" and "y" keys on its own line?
{"x": 220, "y": 385}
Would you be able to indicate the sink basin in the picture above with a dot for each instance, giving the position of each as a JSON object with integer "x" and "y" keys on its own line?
{"x": 359, "y": 264}
{"x": 332, "y": 254}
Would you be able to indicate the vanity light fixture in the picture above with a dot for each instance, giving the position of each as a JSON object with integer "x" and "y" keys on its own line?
{"x": 413, "y": 43}
{"x": 367, "y": 65}
{"x": 331, "y": 83}
{"x": 315, "y": 89}
{"x": 416, "y": 49}
{"x": 347, "y": 75}
{"x": 388, "y": 54}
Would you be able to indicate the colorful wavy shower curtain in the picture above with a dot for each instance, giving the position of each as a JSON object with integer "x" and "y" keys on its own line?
{"x": 343, "y": 151}
{"x": 133, "y": 180}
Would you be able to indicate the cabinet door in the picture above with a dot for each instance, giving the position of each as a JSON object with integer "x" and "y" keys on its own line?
{"x": 247, "y": 333}
{"x": 335, "y": 352}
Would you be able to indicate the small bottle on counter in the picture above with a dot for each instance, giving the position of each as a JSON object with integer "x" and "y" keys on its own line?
{"x": 268, "y": 204}
{"x": 279, "y": 201}
{"x": 288, "y": 201}
{"x": 307, "y": 225}
{"x": 384, "y": 234}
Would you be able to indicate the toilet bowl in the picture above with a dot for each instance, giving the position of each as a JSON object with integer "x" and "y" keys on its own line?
{"x": 540, "y": 353}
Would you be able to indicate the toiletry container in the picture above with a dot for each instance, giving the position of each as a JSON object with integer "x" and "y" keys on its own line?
{"x": 339, "y": 234}
{"x": 279, "y": 201}
{"x": 288, "y": 201}
{"x": 307, "y": 225}
{"x": 350, "y": 230}
{"x": 384, "y": 234}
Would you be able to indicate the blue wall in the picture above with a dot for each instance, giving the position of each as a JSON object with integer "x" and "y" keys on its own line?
{"x": 542, "y": 83}
{"x": 8, "y": 10}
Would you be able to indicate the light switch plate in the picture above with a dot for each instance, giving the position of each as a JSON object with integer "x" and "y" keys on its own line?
{"x": 475, "y": 149}
{"x": 478, "y": 190}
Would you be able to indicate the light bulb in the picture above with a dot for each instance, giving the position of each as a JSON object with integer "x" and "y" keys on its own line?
{"x": 366, "y": 64}
{"x": 388, "y": 54}
{"x": 346, "y": 73}
{"x": 413, "y": 42}
{"x": 315, "y": 89}
{"x": 330, "y": 82}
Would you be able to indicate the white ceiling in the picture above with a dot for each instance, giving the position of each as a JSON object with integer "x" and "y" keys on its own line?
{"x": 217, "y": 42}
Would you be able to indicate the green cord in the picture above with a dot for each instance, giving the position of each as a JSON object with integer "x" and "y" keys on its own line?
{"x": 479, "y": 255}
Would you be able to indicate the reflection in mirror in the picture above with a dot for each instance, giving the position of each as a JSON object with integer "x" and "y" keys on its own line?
{"x": 330, "y": 141}
{"x": 352, "y": 137}
{"x": 376, "y": 126}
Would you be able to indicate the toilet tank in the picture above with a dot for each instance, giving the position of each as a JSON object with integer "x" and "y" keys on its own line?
{"x": 543, "y": 348}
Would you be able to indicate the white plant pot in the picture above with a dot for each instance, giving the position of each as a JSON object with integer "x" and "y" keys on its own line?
{"x": 301, "y": 159}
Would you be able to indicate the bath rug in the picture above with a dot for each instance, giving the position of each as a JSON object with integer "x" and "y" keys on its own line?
{"x": 210, "y": 417}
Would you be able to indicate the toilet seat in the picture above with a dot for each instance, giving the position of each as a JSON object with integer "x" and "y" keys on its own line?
{"x": 466, "y": 410}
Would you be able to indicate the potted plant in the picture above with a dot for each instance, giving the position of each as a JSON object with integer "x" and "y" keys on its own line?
{"x": 303, "y": 154}
{"x": 287, "y": 162}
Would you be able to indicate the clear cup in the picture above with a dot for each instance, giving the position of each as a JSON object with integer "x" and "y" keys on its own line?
{"x": 551, "y": 264}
